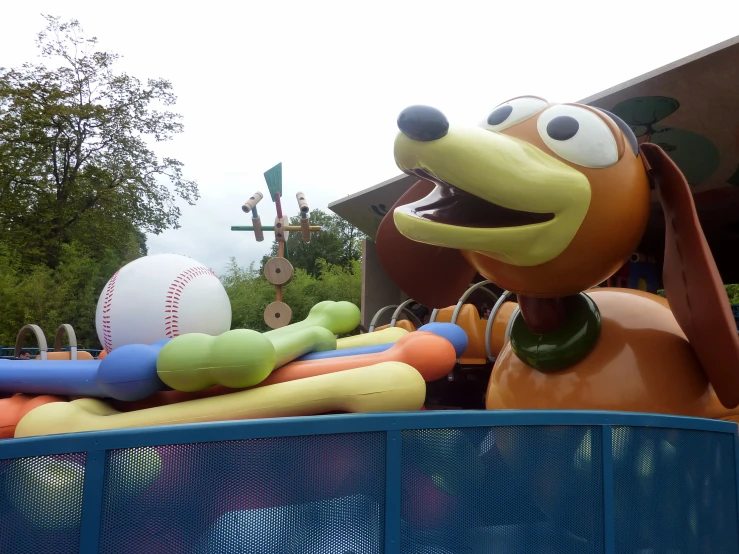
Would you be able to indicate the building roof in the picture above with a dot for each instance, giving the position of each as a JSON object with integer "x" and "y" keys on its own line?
{"x": 366, "y": 208}
{"x": 691, "y": 108}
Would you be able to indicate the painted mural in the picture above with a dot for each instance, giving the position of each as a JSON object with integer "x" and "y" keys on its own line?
{"x": 696, "y": 156}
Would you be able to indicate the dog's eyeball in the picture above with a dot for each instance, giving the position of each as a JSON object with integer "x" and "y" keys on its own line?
{"x": 500, "y": 114}
{"x": 513, "y": 112}
{"x": 563, "y": 127}
{"x": 579, "y": 136}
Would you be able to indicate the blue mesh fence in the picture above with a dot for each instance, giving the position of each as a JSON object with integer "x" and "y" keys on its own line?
{"x": 426, "y": 483}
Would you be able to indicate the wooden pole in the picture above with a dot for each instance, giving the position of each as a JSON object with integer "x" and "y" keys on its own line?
{"x": 280, "y": 254}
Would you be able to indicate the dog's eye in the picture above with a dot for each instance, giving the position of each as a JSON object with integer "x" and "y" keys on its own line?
{"x": 579, "y": 136}
{"x": 512, "y": 112}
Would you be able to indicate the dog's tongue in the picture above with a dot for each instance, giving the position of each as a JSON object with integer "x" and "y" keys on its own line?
{"x": 453, "y": 206}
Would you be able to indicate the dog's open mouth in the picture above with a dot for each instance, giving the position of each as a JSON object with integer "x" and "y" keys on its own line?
{"x": 453, "y": 206}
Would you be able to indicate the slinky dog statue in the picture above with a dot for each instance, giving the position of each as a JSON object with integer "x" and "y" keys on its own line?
{"x": 547, "y": 201}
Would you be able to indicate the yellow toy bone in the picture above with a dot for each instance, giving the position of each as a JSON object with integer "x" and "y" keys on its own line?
{"x": 385, "y": 387}
{"x": 384, "y": 336}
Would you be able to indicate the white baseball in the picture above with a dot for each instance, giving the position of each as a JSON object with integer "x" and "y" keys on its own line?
{"x": 161, "y": 296}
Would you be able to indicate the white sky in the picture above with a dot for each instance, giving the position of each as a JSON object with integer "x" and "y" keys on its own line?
{"x": 318, "y": 85}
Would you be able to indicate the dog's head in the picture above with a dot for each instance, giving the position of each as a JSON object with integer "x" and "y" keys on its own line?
{"x": 548, "y": 200}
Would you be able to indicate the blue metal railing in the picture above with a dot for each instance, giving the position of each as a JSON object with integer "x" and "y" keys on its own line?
{"x": 7, "y": 351}
{"x": 640, "y": 459}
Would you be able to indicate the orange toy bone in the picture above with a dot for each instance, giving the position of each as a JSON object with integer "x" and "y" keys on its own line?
{"x": 14, "y": 408}
{"x": 547, "y": 201}
{"x": 431, "y": 355}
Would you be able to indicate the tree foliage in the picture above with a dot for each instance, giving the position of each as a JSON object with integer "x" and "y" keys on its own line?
{"x": 733, "y": 292}
{"x": 66, "y": 294}
{"x": 75, "y": 164}
{"x": 80, "y": 186}
{"x": 338, "y": 244}
{"x": 79, "y": 183}
{"x": 329, "y": 267}
{"x": 250, "y": 292}
{"x": 69, "y": 292}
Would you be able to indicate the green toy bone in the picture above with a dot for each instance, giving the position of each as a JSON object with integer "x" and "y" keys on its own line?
{"x": 337, "y": 317}
{"x": 242, "y": 358}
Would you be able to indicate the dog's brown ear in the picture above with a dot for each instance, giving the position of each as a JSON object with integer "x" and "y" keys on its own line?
{"x": 434, "y": 276}
{"x": 694, "y": 288}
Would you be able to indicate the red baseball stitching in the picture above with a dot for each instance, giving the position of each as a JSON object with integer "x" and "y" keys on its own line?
{"x": 107, "y": 331}
{"x": 171, "y": 304}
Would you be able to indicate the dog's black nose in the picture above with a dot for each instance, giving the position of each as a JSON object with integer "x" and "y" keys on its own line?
{"x": 423, "y": 123}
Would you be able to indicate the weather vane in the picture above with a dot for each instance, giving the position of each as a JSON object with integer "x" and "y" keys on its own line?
{"x": 278, "y": 270}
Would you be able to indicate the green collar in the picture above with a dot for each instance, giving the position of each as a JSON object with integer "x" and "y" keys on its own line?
{"x": 566, "y": 346}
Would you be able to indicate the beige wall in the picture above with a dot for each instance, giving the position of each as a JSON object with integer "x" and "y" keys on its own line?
{"x": 378, "y": 290}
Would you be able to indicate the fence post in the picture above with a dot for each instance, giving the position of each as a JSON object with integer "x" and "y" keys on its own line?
{"x": 609, "y": 515}
{"x": 92, "y": 501}
{"x": 393, "y": 452}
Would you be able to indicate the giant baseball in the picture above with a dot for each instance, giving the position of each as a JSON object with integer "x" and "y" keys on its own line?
{"x": 161, "y": 296}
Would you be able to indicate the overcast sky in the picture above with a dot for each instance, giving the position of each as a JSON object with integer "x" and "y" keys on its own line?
{"x": 318, "y": 85}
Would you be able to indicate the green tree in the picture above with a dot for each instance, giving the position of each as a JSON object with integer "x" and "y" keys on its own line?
{"x": 338, "y": 243}
{"x": 732, "y": 292}
{"x": 250, "y": 292}
{"x": 75, "y": 163}
{"x": 66, "y": 294}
